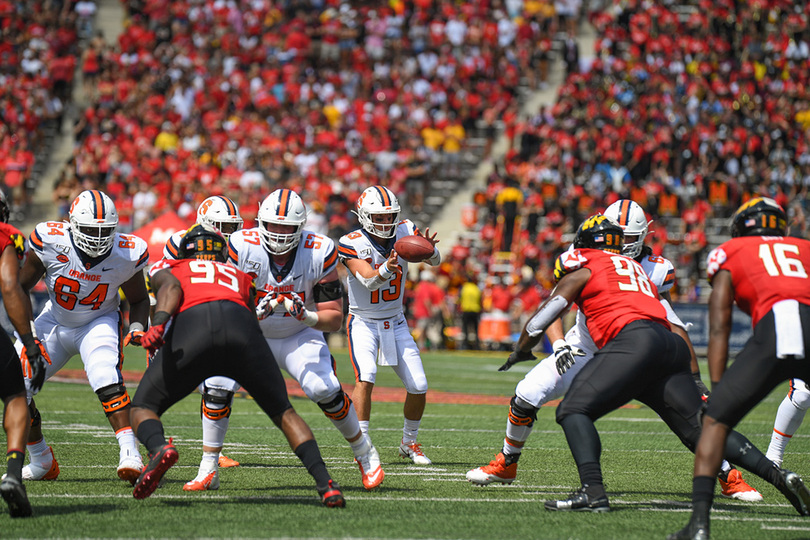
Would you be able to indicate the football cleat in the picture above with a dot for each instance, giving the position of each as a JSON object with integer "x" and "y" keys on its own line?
{"x": 42, "y": 471}
{"x": 331, "y": 496}
{"x": 13, "y": 492}
{"x": 158, "y": 464}
{"x": 736, "y": 488}
{"x": 225, "y": 462}
{"x": 371, "y": 469}
{"x": 130, "y": 468}
{"x": 413, "y": 451}
{"x": 692, "y": 531}
{"x": 579, "y": 501}
{"x": 203, "y": 482}
{"x": 496, "y": 471}
{"x": 792, "y": 487}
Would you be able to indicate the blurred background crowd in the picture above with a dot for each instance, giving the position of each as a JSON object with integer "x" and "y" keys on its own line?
{"x": 687, "y": 107}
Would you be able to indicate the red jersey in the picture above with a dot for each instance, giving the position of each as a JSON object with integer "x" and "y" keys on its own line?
{"x": 11, "y": 236}
{"x": 764, "y": 270}
{"x": 617, "y": 293}
{"x": 207, "y": 281}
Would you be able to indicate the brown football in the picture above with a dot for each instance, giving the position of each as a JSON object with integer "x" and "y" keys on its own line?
{"x": 414, "y": 248}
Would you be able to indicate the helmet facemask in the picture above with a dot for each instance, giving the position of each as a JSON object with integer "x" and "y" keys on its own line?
{"x": 378, "y": 201}
{"x": 282, "y": 207}
{"x": 93, "y": 220}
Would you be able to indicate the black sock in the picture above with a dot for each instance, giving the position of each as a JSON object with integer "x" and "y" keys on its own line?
{"x": 150, "y": 433}
{"x": 590, "y": 474}
{"x": 702, "y": 496}
{"x": 14, "y": 463}
{"x": 310, "y": 456}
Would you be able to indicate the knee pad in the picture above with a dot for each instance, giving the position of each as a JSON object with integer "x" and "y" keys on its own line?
{"x": 113, "y": 398}
{"x": 338, "y": 407}
{"x": 800, "y": 396}
{"x": 216, "y": 403}
{"x": 522, "y": 413}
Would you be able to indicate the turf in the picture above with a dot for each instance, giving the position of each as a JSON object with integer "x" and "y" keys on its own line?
{"x": 647, "y": 472}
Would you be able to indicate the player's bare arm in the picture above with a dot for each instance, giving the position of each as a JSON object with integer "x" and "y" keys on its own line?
{"x": 18, "y": 304}
{"x": 135, "y": 290}
{"x": 169, "y": 295}
{"x": 32, "y": 271}
{"x": 721, "y": 301}
{"x": 373, "y": 278}
{"x": 330, "y": 312}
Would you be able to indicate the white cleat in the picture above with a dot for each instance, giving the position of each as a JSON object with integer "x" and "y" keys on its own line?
{"x": 413, "y": 452}
{"x": 130, "y": 468}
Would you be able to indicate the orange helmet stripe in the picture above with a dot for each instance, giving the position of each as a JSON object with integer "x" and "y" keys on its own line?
{"x": 230, "y": 204}
{"x": 386, "y": 200}
{"x": 624, "y": 212}
{"x": 98, "y": 202}
{"x": 283, "y": 202}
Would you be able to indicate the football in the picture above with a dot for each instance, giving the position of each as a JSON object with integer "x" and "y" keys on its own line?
{"x": 414, "y": 248}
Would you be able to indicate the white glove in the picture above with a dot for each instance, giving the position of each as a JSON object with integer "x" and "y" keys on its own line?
{"x": 267, "y": 305}
{"x": 564, "y": 355}
{"x": 295, "y": 307}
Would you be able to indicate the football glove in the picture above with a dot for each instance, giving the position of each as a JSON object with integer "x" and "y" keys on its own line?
{"x": 133, "y": 337}
{"x": 152, "y": 339}
{"x": 266, "y": 305}
{"x": 702, "y": 388}
{"x": 295, "y": 307}
{"x": 33, "y": 358}
{"x": 515, "y": 357}
{"x": 564, "y": 355}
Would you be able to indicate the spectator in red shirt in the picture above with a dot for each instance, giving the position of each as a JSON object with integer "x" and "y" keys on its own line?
{"x": 427, "y": 310}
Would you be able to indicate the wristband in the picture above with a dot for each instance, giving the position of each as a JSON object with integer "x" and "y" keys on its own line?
{"x": 136, "y": 327}
{"x": 28, "y": 340}
{"x": 559, "y": 344}
{"x": 385, "y": 273}
{"x": 160, "y": 317}
{"x": 311, "y": 319}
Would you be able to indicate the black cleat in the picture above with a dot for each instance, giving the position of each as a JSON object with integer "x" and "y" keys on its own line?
{"x": 14, "y": 493}
{"x": 795, "y": 491}
{"x": 579, "y": 501}
{"x": 158, "y": 464}
{"x": 692, "y": 531}
{"x": 331, "y": 496}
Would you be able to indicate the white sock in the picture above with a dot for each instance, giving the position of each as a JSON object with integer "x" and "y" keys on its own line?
{"x": 410, "y": 431}
{"x": 361, "y": 446}
{"x": 213, "y": 431}
{"x": 363, "y": 426}
{"x": 788, "y": 419}
{"x": 127, "y": 443}
{"x": 35, "y": 451}
{"x": 725, "y": 466}
{"x": 517, "y": 433}
{"x": 210, "y": 462}
{"x": 511, "y": 449}
{"x": 348, "y": 426}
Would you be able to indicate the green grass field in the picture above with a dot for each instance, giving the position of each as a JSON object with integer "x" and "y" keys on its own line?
{"x": 647, "y": 473}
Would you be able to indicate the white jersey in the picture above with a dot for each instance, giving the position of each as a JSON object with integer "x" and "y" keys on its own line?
{"x": 314, "y": 258}
{"x": 386, "y": 301}
{"x": 660, "y": 271}
{"x": 79, "y": 294}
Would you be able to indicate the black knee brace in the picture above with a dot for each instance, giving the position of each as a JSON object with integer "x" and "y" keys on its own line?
{"x": 113, "y": 398}
{"x": 337, "y": 408}
{"x": 522, "y": 413}
{"x": 216, "y": 403}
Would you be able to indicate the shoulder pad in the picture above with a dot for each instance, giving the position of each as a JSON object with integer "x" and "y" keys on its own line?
{"x": 568, "y": 262}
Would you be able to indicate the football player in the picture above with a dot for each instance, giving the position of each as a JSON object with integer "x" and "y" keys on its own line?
{"x": 84, "y": 262}
{"x": 377, "y": 330}
{"x": 16, "y": 421}
{"x": 758, "y": 252}
{"x": 544, "y": 383}
{"x": 297, "y": 269}
{"x": 639, "y": 357}
{"x": 222, "y": 214}
{"x": 210, "y": 305}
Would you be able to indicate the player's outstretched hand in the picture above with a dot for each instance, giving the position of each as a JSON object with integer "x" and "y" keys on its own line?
{"x": 266, "y": 305}
{"x": 515, "y": 357}
{"x": 34, "y": 358}
{"x": 295, "y": 307}
{"x": 133, "y": 337}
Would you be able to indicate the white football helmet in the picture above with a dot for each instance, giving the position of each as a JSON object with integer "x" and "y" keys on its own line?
{"x": 378, "y": 200}
{"x": 93, "y": 219}
{"x": 634, "y": 223}
{"x": 221, "y": 213}
{"x": 282, "y": 207}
